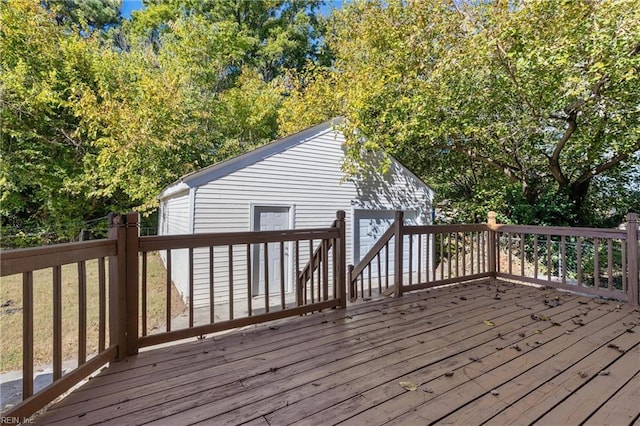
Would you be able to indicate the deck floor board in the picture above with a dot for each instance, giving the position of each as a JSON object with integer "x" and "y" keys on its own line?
{"x": 491, "y": 352}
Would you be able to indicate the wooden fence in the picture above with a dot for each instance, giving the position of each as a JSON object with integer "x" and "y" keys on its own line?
{"x": 406, "y": 258}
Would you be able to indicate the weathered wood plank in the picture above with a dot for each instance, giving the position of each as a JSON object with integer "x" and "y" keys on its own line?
{"x": 619, "y": 409}
{"x": 137, "y": 387}
{"x": 346, "y": 365}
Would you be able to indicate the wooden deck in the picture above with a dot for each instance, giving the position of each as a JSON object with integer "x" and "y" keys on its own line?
{"x": 482, "y": 352}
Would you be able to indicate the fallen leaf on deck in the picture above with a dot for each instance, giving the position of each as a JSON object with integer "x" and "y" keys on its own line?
{"x": 521, "y": 334}
{"x": 538, "y": 332}
{"x": 495, "y": 392}
{"x": 489, "y": 323}
{"x": 537, "y": 317}
{"x": 616, "y": 347}
{"x": 605, "y": 373}
{"x": 583, "y": 302}
{"x": 274, "y": 327}
{"x": 463, "y": 298}
{"x": 497, "y": 297}
{"x": 475, "y": 359}
{"x": 517, "y": 348}
{"x": 630, "y": 330}
{"x": 426, "y": 389}
{"x": 555, "y": 323}
{"x": 408, "y": 386}
{"x": 448, "y": 373}
{"x": 583, "y": 374}
{"x": 578, "y": 322}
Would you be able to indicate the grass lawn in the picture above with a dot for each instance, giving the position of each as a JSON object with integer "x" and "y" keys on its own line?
{"x": 11, "y": 312}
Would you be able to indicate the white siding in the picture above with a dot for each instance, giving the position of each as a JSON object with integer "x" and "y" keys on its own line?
{"x": 174, "y": 220}
{"x": 307, "y": 176}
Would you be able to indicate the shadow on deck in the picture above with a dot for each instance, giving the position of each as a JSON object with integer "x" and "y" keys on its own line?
{"x": 486, "y": 351}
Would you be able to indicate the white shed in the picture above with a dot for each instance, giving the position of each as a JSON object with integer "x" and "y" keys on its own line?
{"x": 293, "y": 183}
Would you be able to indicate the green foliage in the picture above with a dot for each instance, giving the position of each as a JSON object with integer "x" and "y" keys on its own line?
{"x": 538, "y": 96}
{"x": 99, "y": 117}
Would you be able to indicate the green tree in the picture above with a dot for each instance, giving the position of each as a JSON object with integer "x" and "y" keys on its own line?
{"x": 97, "y": 14}
{"x": 43, "y": 68}
{"x": 537, "y": 96}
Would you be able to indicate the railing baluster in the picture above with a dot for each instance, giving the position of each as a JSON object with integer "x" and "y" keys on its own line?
{"x": 298, "y": 281}
{"x": 450, "y": 260}
{"x": 457, "y": 254}
{"x": 510, "y": 253}
{"x": 535, "y": 256}
{"x": 369, "y": 277}
{"x": 610, "y": 263}
{"x": 596, "y": 264}
{"x": 266, "y": 277}
{"x": 623, "y": 252}
{"x": 379, "y": 274}
{"x": 410, "y": 237}
{"x": 579, "y": 260}
{"x": 386, "y": 265}
{"x": 474, "y": 237}
{"x": 249, "y": 289}
{"x": 522, "y": 237}
{"x": 168, "y": 293}
{"x": 549, "y": 266}
{"x": 212, "y": 308}
{"x": 282, "y": 301}
{"x": 82, "y": 312}
{"x": 325, "y": 271}
{"x": 563, "y": 257}
{"x": 441, "y": 256}
{"x": 57, "y": 322}
{"x": 230, "y": 266}
{"x": 143, "y": 290}
{"x": 419, "y": 268}
{"x": 484, "y": 250}
{"x": 102, "y": 308}
{"x": 464, "y": 254}
{"x": 191, "y": 285}
{"x": 311, "y": 269}
{"x": 27, "y": 334}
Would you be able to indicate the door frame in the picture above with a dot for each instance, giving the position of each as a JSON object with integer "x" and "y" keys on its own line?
{"x": 288, "y": 246}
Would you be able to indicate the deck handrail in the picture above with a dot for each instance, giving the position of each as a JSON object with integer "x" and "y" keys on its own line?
{"x": 477, "y": 250}
{"x": 436, "y": 255}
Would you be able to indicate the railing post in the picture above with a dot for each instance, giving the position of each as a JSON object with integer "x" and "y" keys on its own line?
{"x": 491, "y": 222}
{"x": 397, "y": 253}
{"x": 117, "y": 283}
{"x": 341, "y": 259}
{"x": 352, "y": 288}
{"x": 132, "y": 226}
{"x": 632, "y": 263}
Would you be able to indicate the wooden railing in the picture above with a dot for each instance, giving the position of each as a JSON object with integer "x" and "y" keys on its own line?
{"x": 230, "y": 264}
{"x": 122, "y": 263}
{"x": 53, "y": 258}
{"x": 313, "y": 280}
{"x": 406, "y": 258}
{"x": 601, "y": 262}
{"x": 427, "y": 256}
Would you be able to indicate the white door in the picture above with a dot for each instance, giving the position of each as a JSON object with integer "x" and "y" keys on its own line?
{"x": 270, "y": 218}
{"x": 369, "y": 225}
